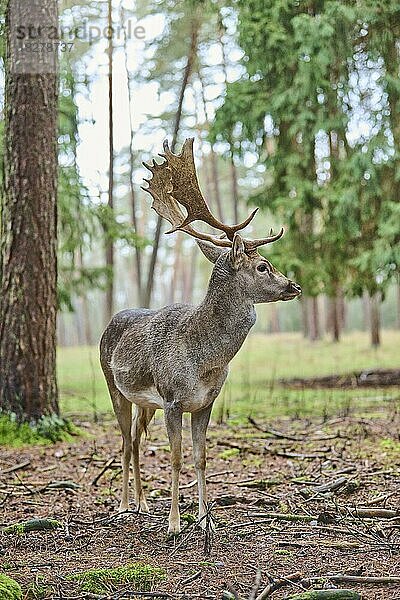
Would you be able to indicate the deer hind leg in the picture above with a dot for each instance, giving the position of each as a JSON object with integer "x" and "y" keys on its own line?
{"x": 173, "y": 421}
{"x": 123, "y": 412}
{"x": 199, "y": 421}
{"x": 140, "y": 422}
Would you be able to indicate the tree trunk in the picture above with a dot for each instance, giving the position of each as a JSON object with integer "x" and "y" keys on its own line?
{"x": 235, "y": 192}
{"x": 275, "y": 325}
{"x": 28, "y": 263}
{"x": 87, "y": 328}
{"x": 365, "y": 310}
{"x": 375, "y": 321}
{"x": 304, "y": 316}
{"x": 398, "y": 305}
{"x": 109, "y": 304}
{"x": 335, "y": 319}
{"x": 313, "y": 315}
{"x": 186, "y": 76}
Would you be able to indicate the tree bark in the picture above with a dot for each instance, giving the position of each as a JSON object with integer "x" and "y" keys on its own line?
{"x": 28, "y": 263}
{"x": 313, "y": 315}
{"x": 304, "y": 316}
{"x": 186, "y": 76}
{"x": 375, "y": 322}
{"x": 109, "y": 244}
{"x": 275, "y": 325}
{"x": 335, "y": 319}
{"x": 235, "y": 191}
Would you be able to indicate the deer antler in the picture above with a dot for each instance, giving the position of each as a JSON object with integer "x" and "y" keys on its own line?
{"x": 160, "y": 188}
{"x": 187, "y": 192}
{"x": 175, "y": 183}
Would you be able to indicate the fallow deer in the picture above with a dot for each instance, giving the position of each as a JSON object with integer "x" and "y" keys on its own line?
{"x": 176, "y": 358}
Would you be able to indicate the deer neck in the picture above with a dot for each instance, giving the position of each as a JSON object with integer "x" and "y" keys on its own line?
{"x": 226, "y": 316}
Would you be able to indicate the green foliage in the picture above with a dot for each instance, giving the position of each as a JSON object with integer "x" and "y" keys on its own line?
{"x": 48, "y": 429}
{"x": 82, "y": 219}
{"x": 295, "y": 107}
{"x": 103, "y": 581}
{"x": 9, "y": 588}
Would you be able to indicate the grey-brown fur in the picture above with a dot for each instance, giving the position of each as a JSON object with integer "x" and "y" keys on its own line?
{"x": 177, "y": 358}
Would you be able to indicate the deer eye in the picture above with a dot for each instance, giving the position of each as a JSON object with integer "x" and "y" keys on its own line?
{"x": 262, "y": 267}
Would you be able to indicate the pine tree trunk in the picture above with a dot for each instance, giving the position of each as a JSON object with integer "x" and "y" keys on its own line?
{"x": 365, "y": 310}
{"x": 335, "y": 319}
{"x": 109, "y": 245}
{"x": 215, "y": 182}
{"x": 304, "y": 316}
{"x": 275, "y": 325}
{"x": 313, "y": 315}
{"x": 375, "y": 321}
{"x": 28, "y": 264}
{"x": 235, "y": 192}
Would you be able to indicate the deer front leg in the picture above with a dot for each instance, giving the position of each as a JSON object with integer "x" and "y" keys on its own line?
{"x": 173, "y": 421}
{"x": 200, "y": 422}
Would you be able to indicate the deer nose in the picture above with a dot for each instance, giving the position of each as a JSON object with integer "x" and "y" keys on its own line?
{"x": 293, "y": 288}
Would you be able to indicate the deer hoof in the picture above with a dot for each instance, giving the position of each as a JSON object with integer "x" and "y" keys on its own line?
{"x": 174, "y": 529}
{"x": 124, "y": 506}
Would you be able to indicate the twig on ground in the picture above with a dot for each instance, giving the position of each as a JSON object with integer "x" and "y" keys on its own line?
{"x": 108, "y": 464}
{"x": 16, "y": 467}
{"x": 278, "y": 583}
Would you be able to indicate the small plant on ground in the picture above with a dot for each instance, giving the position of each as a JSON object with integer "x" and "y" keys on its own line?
{"x": 101, "y": 581}
{"x": 9, "y": 588}
{"x": 47, "y": 429}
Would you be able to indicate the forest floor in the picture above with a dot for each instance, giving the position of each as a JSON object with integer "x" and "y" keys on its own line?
{"x": 308, "y": 497}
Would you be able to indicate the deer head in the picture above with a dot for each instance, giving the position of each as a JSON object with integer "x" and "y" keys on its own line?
{"x": 174, "y": 185}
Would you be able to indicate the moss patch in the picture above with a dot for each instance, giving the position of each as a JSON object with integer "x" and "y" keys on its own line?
{"x": 102, "y": 581}
{"x": 9, "y": 589}
{"x": 229, "y": 453}
{"x": 46, "y": 430}
{"x": 32, "y": 525}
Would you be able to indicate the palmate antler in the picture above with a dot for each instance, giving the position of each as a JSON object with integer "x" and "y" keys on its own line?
{"x": 174, "y": 184}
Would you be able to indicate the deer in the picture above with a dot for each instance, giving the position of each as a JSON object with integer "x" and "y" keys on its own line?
{"x": 176, "y": 358}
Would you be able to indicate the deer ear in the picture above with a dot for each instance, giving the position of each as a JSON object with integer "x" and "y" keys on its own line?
{"x": 211, "y": 252}
{"x": 237, "y": 254}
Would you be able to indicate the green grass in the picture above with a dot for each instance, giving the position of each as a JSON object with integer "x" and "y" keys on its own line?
{"x": 45, "y": 431}
{"x": 251, "y": 387}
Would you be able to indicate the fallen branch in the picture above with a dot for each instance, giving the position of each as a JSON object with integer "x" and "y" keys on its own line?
{"x": 32, "y": 525}
{"x": 331, "y": 486}
{"x": 107, "y": 466}
{"x": 326, "y": 595}
{"x": 274, "y": 432}
{"x": 278, "y": 583}
{"x": 387, "y": 580}
{"x": 17, "y": 467}
{"x": 371, "y": 513}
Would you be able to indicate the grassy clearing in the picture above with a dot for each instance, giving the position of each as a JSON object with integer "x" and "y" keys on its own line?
{"x": 251, "y": 387}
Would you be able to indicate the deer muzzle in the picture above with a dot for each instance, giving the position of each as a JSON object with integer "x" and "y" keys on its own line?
{"x": 292, "y": 291}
